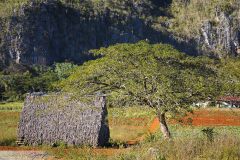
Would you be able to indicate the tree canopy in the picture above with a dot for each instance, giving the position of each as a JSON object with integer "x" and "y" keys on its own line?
{"x": 229, "y": 75}
{"x": 156, "y": 75}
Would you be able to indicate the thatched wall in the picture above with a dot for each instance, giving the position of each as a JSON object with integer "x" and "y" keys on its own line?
{"x": 52, "y": 119}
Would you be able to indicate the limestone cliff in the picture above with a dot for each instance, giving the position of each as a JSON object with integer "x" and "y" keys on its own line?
{"x": 213, "y": 25}
{"x": 222, "y": 38}
{"x": 42, "y": 33}
{"x": 47, "y": 31}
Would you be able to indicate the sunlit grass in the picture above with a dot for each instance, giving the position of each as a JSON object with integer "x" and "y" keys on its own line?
{"x": 129, "y": 123}
{"x": 7, "y": 7}
{"x": 131, "y": 112}
{"x": 11, "y": 106}
{"x": 188, "y": 148}
{"x": 8, "y": 128}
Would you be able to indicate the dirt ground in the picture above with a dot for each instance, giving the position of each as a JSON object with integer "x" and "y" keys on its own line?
{"x": 24, "y": 155}
{"x": 212, "y": 117}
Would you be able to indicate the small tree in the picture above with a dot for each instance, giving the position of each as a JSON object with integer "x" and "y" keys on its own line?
{"x": 143, "y": 74}
{"x": 64, "y": 70}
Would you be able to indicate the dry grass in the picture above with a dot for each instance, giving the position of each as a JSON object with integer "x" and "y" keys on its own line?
{"x": 8, "y": 128}
{"x": 11, "y": 106}
{"x": 191, "y": 147}
{"x": 129, "y": 123}
{"x": 189, "y": 143}
{"x": 123, "y": 134}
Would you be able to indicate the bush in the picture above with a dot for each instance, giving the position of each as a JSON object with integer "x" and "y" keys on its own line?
{"x": 14, "y": 86}
{"x": 187, "y": 148}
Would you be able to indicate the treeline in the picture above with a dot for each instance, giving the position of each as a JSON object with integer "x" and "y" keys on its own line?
{"x": 14, "y": 86}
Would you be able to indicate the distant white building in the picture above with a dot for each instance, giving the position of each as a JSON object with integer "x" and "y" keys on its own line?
{"x": 202, "y": 104}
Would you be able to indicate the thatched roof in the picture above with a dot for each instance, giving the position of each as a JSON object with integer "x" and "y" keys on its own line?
{"x": 53, "y": 119}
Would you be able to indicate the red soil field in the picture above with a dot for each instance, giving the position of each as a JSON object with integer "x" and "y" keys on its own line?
{"x": 212, "y": 117}
{"x": 202, "y": 117}
{"x": 205, "y": 117}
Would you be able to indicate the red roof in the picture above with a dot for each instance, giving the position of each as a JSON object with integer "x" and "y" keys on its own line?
{"x": 229, "y": 98}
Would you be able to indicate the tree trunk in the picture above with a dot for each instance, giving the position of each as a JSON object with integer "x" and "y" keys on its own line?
{"x": 163, "y": 125}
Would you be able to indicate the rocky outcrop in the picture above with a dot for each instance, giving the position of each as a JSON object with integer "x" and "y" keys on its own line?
{"x": 42, "y": 33}
{"x": 221, "y": 36}
{"x": 53, "y": 119}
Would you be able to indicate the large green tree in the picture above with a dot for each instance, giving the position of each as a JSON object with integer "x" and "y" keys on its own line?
{"x": 229, "y": 75}
{"x": 157, "y": 75}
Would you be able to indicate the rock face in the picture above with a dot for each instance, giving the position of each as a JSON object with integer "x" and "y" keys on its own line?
{"x": 49, "y": 120}
{"x": 221, "y": 36}
{"x": 42, "y": 33}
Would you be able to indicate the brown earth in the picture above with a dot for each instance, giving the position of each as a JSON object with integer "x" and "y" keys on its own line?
{"x": 212, "y": 117}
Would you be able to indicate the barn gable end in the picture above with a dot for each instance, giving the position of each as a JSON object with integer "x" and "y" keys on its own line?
{"x": 49, "y": 120}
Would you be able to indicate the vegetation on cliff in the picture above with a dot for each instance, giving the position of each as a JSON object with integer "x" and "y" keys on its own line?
{"x": 124, "y": 7}
{"x": 188, "y": 16}
{"x": 185, "y": 17}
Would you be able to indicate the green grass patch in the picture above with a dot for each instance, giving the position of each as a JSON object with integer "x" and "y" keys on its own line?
{"x": 11, "y": 106}
{"x": 131, "y": 112}
{"x": 8, "y": 128}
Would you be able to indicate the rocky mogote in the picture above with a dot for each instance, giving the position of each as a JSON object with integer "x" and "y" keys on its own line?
{"x": 50, "y": 120}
